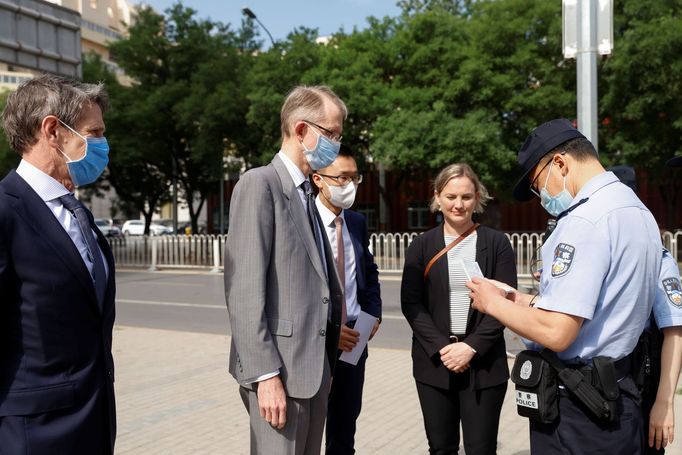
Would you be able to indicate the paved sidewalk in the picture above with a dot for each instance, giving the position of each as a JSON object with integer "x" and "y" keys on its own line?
{"x": 175, "y": 396}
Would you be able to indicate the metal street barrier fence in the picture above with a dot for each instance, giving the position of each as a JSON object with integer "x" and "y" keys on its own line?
{"x": 206, "y": 251}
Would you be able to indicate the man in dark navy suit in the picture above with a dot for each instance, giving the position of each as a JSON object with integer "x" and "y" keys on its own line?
{"x": 56, "y": 276}
{"x": 348, "y": 237}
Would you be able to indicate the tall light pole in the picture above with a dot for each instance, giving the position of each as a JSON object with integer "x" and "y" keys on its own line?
{"x": 248, "y": 13}
{"x": 587, "y": 31}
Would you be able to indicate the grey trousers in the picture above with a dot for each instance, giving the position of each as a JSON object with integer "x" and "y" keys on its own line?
{"x": 302, "y": 434}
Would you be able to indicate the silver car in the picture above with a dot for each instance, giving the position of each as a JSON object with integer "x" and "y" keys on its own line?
{"x": 107, "y": 228}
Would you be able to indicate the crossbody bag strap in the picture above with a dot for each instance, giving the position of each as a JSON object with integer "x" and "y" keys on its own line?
{"x": 452, "y": 244}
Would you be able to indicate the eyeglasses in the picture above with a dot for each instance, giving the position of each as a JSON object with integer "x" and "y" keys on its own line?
{"x": 330, "y": 134}
{"x": 344, "y": 180}
{"x": 532, "y": 184}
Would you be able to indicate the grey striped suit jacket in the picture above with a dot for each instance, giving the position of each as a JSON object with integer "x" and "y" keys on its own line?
{"x": 276, "y": 289}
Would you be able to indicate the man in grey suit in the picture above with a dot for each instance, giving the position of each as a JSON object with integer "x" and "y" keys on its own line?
{"x": 281, "y": 285}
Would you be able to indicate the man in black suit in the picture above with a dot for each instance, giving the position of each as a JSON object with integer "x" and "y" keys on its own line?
{"x": 56, "y": 276}
{"x": 348, "y": 237}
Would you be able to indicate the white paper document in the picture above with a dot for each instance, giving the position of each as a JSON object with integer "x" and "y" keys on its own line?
{"x": 364, "y": 325}
{"x": 473, "y": 270}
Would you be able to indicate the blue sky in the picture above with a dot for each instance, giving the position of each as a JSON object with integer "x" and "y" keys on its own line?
{"x": 282, "y": 16}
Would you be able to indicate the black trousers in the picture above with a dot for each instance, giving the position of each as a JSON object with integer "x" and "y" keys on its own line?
{"x": 477, "y": 410}
{"x": 576, "y": 433}
{"x": 345, "y": 402}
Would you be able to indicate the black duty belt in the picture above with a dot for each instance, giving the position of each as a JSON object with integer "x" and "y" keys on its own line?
{"x": 623, "y": 367}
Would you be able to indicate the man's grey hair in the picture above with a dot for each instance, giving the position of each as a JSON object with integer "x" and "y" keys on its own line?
{"x": 307, "y": 103}
{"x": 46, "y": 95}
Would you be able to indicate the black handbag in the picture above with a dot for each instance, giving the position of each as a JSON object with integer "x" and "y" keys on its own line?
{"x": 537, "y": 387}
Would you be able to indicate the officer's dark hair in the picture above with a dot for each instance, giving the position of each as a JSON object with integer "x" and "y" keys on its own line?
{"x": 579, "y": 148}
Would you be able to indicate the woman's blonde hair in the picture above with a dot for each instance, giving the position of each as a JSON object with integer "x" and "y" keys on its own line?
{"x": 459, "y": 170}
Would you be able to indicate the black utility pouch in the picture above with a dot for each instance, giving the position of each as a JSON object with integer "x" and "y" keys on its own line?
{"x": 537, "y": 387}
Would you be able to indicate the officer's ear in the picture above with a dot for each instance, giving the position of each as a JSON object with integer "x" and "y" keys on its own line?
{"x": 562, "y": 162}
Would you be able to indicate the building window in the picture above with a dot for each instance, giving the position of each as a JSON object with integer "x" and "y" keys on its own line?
{"x": 93, "y": 4}
{"x": 103, "y": 30}
{"x": 370, "y": 213}
{"x": 418, "y": 215}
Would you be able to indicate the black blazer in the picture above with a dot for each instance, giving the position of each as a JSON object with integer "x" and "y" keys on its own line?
{"x": 56, "y": 367}
{"x": 425, "y": 305}
{"x": 367, "y": 273}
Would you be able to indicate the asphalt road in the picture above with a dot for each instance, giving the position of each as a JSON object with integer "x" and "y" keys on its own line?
{"x": 195, "y": 302}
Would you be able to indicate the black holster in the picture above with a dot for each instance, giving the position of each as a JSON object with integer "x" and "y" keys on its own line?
{"x": 600, "y": 399}
{"x": 606, "y": 380}
{"x": 646, "y": 363}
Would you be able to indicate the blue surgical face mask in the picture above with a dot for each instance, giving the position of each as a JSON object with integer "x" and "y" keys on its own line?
{"x": 555, "y": 204}
{"x": 324, "y": 153}
{"x": 88, "y": 168}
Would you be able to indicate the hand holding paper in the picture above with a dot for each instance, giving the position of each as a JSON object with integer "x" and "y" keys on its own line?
{"x": 363, "y": 325}
{"x": 472, "y": 270}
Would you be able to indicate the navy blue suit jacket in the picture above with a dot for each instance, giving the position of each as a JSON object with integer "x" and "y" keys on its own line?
{"x": 367, "y": 273}
{"x": 56, "y": 367}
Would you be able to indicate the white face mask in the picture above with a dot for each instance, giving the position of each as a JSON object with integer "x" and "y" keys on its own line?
{"x": 342, "y": 196}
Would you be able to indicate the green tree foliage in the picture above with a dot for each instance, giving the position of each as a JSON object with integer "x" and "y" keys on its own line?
{"x": 452, "y": 81}
{"x": 273, "y": 74}
{"x": 444, "y": 81}
{"x": 9, "y": 159}
{"x": 642, "y": 89}
{"x": 138, "y": 161}
{"x": 186, "y": 107}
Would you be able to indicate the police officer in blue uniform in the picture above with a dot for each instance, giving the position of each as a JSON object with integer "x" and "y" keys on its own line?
{"x": 597, "y": 286}
{"x": 667, "y": 316}
{"x": 659, "y": 353}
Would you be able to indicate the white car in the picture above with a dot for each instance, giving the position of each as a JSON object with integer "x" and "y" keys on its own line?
{"x": 107, "y": 228}
{"x": 136, "y": 227}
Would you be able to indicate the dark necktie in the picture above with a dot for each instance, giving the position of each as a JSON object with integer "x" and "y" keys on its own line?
{"x": 312, "y": 219}
{"x": 78, "y": 210}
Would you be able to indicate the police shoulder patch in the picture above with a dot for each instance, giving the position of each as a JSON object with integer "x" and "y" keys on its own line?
{"x": 673, "y": 290}
{"x": 563, "y": 258}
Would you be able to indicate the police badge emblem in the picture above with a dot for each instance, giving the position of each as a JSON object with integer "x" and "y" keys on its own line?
{"x": 563, "y": 258}
{"x": 526, "y": 369}
{"x": 673, "y": 290}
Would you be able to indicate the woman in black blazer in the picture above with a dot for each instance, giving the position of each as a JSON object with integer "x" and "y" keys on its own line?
{"x": 461, "y": 377}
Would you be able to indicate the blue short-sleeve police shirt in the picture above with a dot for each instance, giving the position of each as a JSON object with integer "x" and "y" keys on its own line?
{"x": 668, "y": 302}
{"x": 601, "y": 263}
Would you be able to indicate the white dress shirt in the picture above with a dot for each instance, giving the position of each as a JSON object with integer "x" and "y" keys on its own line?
{"x": 50, "y": 190}
{"x": 351, "y": 285}
{"x": 296, "y": 175}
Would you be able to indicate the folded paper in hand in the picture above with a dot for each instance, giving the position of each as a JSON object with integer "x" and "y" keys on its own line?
{"x": 472, "y": 270}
